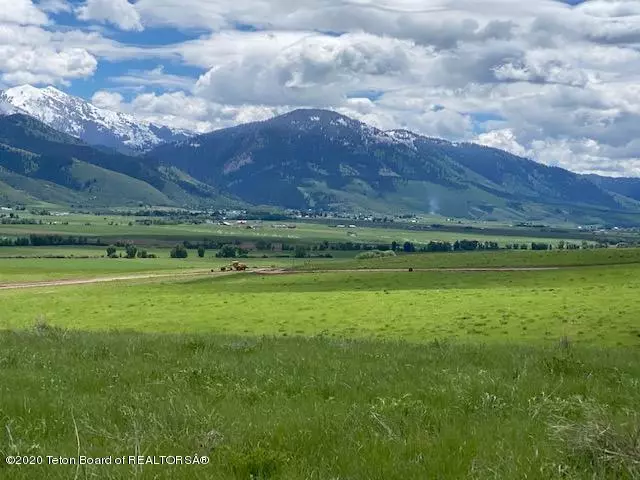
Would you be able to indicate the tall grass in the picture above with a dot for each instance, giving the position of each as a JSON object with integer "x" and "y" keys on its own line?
{"x": 317, "y": 408}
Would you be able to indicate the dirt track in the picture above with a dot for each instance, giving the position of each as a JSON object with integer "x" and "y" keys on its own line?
{"x": 85, "y": 281}
{"x": 271, "y": 271}
{"x": 263, "y": 271}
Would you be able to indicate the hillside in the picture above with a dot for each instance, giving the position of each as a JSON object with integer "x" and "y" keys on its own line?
{"x": 320, "y": 159}
{"x": 627, "y": 187}
{"x": 38, "y": 163}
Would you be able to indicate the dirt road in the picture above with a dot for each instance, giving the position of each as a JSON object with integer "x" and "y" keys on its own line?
{"x": 85, "y": 281}
{"x": 262, "y": 271}
{"x": 271, "y": 271}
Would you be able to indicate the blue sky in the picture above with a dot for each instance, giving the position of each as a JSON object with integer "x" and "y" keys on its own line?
{"x": 555, "y": 81}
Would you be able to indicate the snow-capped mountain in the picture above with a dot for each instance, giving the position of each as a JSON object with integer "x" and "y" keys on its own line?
{"x": 6, "y": 108}
{"x": 93, "y": 125}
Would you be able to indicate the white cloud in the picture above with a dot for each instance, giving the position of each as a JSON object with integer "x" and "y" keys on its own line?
{"x": 108, "y": 100}
{"x": 21, "y": 64}
{"x": 117, "y": 12}
{"x": 21, "y": 12}
{"x": 32, "y": 54}
{"x": 154, "y": 78}
{"x": 54, "y": 6}
{"x": 182, "y": 110}
{"x": 310, "y": 70}
{"x": 503, "y": 139}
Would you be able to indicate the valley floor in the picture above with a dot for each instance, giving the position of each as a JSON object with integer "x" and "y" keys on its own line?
{"x": 504, "y": 365}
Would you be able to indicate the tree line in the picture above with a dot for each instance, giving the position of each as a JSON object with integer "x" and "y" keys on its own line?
{"x": 36, "y": 240}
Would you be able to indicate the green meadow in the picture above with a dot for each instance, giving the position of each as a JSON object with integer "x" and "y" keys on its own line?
{"x": 26, "y": 264}
{"x": 521, "y": 306}
{"x": 316, "y": 408}
{"x": 112, "y": 228}
{"x": 326, "y": 368}
{"x": 486, "y": 259}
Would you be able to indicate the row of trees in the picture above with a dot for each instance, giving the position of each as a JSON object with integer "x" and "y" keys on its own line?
{"x": 36, "y": 240}
{"x": 19, "y": 221}
{"x": 130, "y": 251}
{"x": 562, "y": 245}
{"x": 231, "y": 251}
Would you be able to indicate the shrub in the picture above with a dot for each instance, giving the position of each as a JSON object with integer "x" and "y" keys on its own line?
{"x": 111, "y": 251}
{"x": 201, "y": 251}
{"x": 131, "y": 250}
{"x": 227, "y": 251}
{"x": 143, "y": 254}
{"x": 179, "y": 251}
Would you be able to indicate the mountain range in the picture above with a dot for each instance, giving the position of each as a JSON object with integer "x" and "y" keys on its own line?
{"x": 79, "y": 118}
{"x": 305, "y": 159}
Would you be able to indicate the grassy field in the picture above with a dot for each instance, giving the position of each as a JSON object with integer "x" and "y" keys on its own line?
{"x": 534, "y": 306}
{"x": 24, "y": 264}
{"x": 113, "y": 228}
{"x": 486, "y": 259}
{"x": 264, "y": 408}
{"x": 344, "y": 374}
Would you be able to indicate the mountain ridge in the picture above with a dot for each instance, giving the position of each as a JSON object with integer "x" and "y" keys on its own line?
{"x": 32, "y": 152}
{"x": 312, "y": 159}
{"x": 80, "y": 118}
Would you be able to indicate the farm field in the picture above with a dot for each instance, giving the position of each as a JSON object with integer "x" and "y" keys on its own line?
{"x": 490, "y": 259}
{"x": 111, "y": 228}
{"x": 518, "y": 306}
{"x": 14, "y": 270}
{"x": 26, "y": 264}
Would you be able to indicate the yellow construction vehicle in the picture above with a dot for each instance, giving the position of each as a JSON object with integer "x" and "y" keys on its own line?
{"x": 238, "y": 267}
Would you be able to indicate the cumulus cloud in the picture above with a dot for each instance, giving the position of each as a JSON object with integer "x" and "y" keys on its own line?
{"x": 108, "y": 100}
{"x": 183, "y": 110}
{"x": 21, "y": 12}
{"x": 27, "y": 56}
{"x": 312, "y": 70}
{"x": 120, "y": 13}
{"x": 504, "y": 139}
{"x": 44, "y": 65}
{"x": 40, "y": 54}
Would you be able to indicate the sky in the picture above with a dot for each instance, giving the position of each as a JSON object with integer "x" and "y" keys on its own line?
{"x": 556, "y": 81}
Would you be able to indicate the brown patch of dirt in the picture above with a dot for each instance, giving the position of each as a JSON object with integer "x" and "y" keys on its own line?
{"x": 87, "y": 281}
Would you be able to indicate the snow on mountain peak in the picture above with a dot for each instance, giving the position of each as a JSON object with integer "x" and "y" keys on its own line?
{"x": 79, "y": 118}
{"x": 336, "y": 125}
